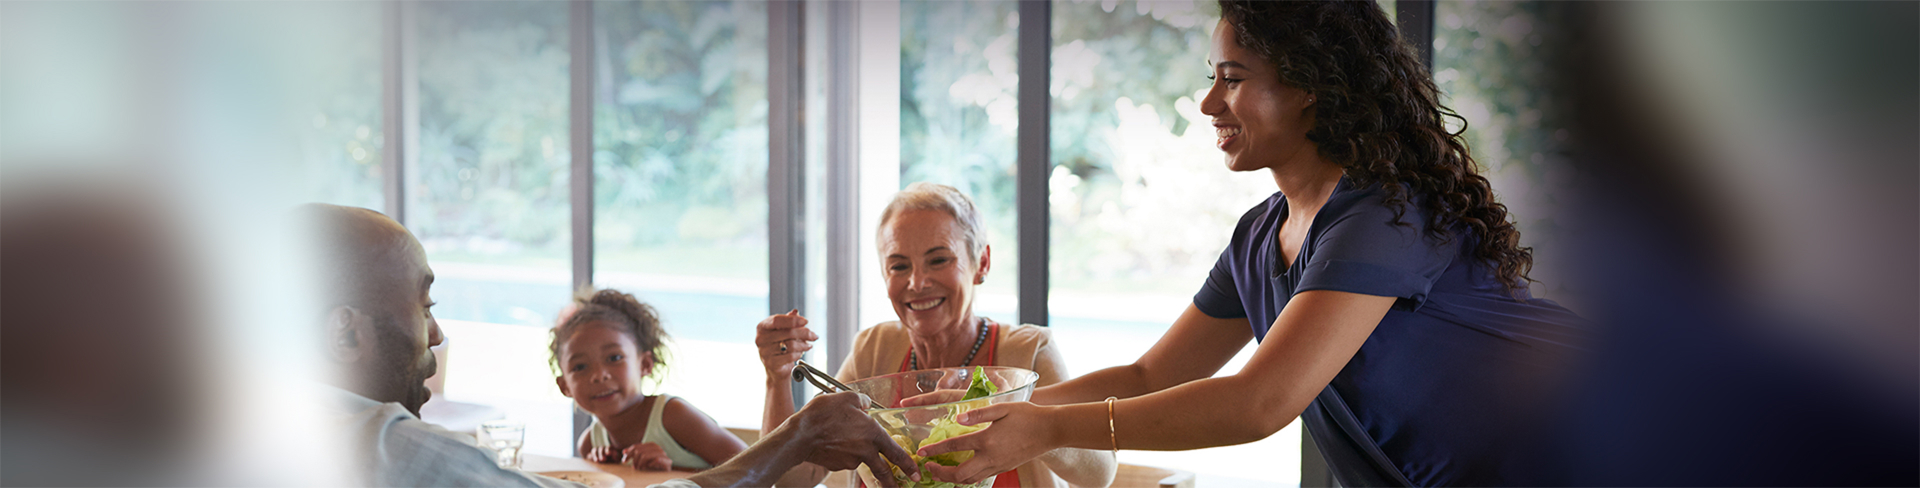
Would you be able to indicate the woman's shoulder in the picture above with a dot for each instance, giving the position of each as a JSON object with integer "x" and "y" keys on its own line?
{"x": 1258, "y": 212}
{"x": 1024, "y": 341}
{"x": 1026, "y": 334}
{"x": 1374, "y": 199}
{"x": 1258, "y": 220}
{"x": 1370, "y": 209}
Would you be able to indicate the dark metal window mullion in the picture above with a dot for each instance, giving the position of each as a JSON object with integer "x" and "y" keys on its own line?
{"x": 580, "y": 137}
{"x": 842, "y": 176}
{"x": 580, "y": 149}
{"x": 1034, "y": 162}
{"x": 786, "y": 168}
{"x": 397, "y": 121}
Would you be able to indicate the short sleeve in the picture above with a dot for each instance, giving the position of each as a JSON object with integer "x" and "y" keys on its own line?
{"x": 1220, "y": 296}
{"x": 1363, "y": 250}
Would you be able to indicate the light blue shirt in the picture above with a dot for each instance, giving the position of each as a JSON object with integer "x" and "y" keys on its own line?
{"x": 387, "y": 446}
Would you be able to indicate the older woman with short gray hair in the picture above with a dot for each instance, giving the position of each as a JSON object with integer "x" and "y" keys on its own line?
{"x": 933, "y": 254}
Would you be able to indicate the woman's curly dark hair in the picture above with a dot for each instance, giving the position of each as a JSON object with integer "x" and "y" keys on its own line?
{"x": 614, "y": 309}
{"x": 1378, "y": 115}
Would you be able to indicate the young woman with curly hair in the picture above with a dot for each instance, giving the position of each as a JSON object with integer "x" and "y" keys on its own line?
{"x": 1385, "y": 285}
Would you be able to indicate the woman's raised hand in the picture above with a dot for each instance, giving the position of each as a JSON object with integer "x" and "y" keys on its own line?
{"x": 782, "y": 339}
{"x": 1020, "y": 432}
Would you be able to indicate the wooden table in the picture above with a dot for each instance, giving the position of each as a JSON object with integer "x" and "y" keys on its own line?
{"x": 635, "y": 478}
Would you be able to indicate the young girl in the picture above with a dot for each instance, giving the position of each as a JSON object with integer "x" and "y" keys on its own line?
{"x": 601, "y": 351}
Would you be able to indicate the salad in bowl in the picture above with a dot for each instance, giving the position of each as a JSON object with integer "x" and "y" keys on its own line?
{"x": 917, "y": 426}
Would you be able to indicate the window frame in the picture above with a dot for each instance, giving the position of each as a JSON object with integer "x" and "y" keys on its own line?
{"x": 788, "y": 95}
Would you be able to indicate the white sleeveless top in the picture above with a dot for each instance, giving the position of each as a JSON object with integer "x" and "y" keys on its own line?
{"x": 657, "y": 434}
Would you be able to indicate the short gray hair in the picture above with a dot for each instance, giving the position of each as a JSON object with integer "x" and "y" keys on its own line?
{"x": 935, "y": 196}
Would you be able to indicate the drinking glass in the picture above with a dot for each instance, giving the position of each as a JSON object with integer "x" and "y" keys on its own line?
{"x": 505, "y": 438}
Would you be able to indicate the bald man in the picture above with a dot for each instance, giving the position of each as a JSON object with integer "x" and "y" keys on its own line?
{"x": 377, "y": 322}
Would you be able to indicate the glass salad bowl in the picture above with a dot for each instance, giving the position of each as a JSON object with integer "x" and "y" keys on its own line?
{"x": 914, "y": 427}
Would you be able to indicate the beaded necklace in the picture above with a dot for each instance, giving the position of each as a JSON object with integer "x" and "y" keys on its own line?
{"x": 913, "y": 361}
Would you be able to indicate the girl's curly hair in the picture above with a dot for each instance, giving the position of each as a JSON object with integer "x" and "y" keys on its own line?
{"x": 1378, "y": 115}
{"x": 614, "y": 309}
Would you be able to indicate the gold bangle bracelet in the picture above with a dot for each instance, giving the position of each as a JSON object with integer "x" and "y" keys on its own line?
{"x": 1110, "y": 436}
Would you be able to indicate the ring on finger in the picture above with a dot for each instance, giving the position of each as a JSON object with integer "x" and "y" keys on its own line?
{"x": 783, "y": 348}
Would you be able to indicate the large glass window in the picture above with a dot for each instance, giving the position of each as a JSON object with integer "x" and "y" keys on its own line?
{"x": 340, "y": 138}
{"x": 1488, "y": 60}
{"x": 680, "y": 192}
{"x": 959, "y": 78}
{"x": 1142, "y": 204}
{"x": 488, "y": 198}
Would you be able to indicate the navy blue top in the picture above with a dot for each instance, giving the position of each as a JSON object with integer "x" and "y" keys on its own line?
{"x": 1451, "y": 387}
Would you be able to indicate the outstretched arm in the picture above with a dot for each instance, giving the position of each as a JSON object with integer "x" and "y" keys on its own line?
{"x": 1195, "y": 347}
{"x": 831, "y": 431}
{"x": 1314, "y": 337}
{"x": 1079, "y": 467}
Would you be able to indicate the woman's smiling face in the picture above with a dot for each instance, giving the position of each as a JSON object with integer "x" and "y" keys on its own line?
{"x": 1260, "y": 122}
{"x": 602, "y": 370}
{"x": 930, "y": 277}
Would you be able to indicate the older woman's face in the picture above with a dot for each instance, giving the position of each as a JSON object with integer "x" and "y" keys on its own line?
{"x": 930, "y": 278}
{"x": 1260, "y": 123}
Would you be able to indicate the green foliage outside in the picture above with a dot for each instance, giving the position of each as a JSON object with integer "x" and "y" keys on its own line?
{"x": 1138, "y": 195}
{"x": 959, "y": 81}
{"x": 680, "y": 137}
{"x": 1489, "y": 61}
{"x": 338, "y": 107}
{"x": 492, "y": 175}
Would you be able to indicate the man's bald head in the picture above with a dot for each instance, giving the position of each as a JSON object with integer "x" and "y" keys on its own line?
{"x": 374, "y": 296}
{"x": 353, "y": 246}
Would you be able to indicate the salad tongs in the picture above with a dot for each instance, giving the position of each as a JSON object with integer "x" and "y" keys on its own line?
{"x": 814, "y": 375}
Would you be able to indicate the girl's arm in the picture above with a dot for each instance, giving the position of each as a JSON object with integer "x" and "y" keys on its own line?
{"x": 1314, "y": 337}
{"x": 1195, "y": 347}
{"x": 585, "y": 446}
{"x": 698, "y": 433}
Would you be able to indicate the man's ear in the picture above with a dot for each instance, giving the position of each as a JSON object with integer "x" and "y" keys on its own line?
{"x": 348, "y": 334}
{"x": 562, "y": 382}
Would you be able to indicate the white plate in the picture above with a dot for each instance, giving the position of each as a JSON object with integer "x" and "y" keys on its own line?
{"x": 593, "y": 479}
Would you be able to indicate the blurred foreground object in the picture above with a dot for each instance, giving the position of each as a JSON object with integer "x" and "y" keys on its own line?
{"x": 98, "y": 354}
{"x": 1748, "y": 240}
